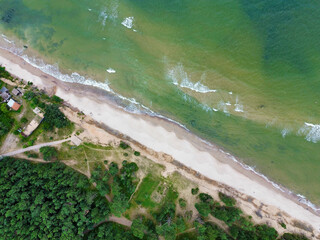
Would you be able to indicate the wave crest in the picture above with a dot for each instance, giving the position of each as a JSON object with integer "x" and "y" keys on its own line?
{"x": 180, "y": 78}
{"x": 312, "y": 132}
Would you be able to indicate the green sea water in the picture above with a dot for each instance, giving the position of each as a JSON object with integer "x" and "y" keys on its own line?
{"x": 243, "y": 74}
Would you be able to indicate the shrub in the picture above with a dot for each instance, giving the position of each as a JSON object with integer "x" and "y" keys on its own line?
{"x": 227, "y": 200}
{"x": 33, "y": 155}
{"x": 136, "y": 153}
{"x": 194, "y": 191}
{"x": 56, "y": 99}
{"x": 290, "y": 236}
{"x": 49, "y": 153}
{"x": 182, "y": 203}
{"x": 205, "y": 197}
{"x": 124, "y": 145}
{"x": 203, "y": 209}
{"x": 24, "y": 120}
{"x": 282, "y": 224}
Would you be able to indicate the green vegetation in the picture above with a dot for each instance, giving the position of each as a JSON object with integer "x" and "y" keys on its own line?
{"x": 227, "y": 200}
{"x": 289, "y": 236}
{"x": 6, "y": 122}
{"x": 4, "y": 73}
{"x": 138, "y": 228}
{"x": 110, "y": 231}
{"x": 54, "y": 118}
{"x": 194, "y": 191}
{"x": 49, "y": 153}
{"x": 124, "y": 145}
{"x": 46, "y": 201}
{"x": 136, "y": 153}
{"x": 147, "y": 187}
{"x": 282, "y": 224}
{"x": 182, "y": 203}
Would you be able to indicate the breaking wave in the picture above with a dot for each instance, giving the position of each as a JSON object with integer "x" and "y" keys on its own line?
{"x": 312, "y": 132}
{"x": 111, "y": 70}
{"x": 238, "y": 106}
{"x": 180, "y": 78}
{"x": 128, "y": 22}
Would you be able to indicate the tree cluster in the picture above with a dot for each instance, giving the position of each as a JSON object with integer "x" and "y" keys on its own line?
{"x": 47, "y": 201}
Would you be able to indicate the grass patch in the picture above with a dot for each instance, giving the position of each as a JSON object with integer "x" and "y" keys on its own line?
{"x": 91, "y": 145}
{"x": 147, "y": 187}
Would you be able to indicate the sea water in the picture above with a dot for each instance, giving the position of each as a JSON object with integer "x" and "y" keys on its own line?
{"x": 243, "y": 74}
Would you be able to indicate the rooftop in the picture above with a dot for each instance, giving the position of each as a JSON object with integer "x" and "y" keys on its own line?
{"x": 13, "y": 105}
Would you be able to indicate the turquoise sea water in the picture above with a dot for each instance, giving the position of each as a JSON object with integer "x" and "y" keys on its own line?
{"x": 243, "y": 74}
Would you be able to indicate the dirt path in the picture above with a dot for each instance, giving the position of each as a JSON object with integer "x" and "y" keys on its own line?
{"x": 36, "y": 147}
{"x": 9, "y": 143}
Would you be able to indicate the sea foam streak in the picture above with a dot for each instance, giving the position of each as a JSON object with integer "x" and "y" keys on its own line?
{"x": 312, "y": 132}
{"x": 128, "y": 22}
{"x": 111, "y": 70}
{"x": 180, "y": 78}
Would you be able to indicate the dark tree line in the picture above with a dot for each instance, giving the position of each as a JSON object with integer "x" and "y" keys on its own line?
{"x": 47, "y": 201}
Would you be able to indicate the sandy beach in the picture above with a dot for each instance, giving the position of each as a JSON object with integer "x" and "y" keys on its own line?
{"x": 166, "y": 137}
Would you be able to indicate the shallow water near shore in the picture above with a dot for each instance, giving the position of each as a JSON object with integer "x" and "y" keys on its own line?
{"x": 242, "y": 74}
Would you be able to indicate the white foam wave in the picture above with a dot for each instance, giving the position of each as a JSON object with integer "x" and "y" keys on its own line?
{"x": 238, "y": 106}
{"x": 284, "y": 132}
{"x": 6, "y": 39}
{"x": 206, "y": 108}
{"x": 103, "y": 17}
{"x": 301, "y": 198}
{"x": 128, "y": 22}
{"x": 111, "y": 70}
{"x": 223, "y": 107}
{"x": 312, "y": 132}
{"x": 180, "y": 78}
{"x": 75, "y": 77}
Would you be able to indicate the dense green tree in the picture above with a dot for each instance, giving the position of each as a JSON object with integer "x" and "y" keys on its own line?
{"x": 4, "y": 73}
{"x": 194, "y": 191}
{"x": 4, "y": 108}
{"x": 138, "y": 228}
{"x": 205, "y": 197}
{"x": 203, "y": 209}
{"x": 46, "y": 201}
{"x": 182, "y": 203}
{"x": 167, "y": 230}
{"x": 110, "y": 231}
{"x": 227, "y": 200}
{"x": 54, "y": 118}
{"x": 6, "y": 123}
{"x": 290, "y": 236}
{"x": 226, "y": 214}
{"x": 265, "y": 232}
{"x": 209, "y": 231}
{"x": 49, "y": 153}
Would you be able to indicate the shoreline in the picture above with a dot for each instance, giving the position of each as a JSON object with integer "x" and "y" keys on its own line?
{"x": 166, "y": 137}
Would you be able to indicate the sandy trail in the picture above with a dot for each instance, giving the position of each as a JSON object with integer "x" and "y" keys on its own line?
{"x": 35, "y": 147}
{"x": 162, "y": 136}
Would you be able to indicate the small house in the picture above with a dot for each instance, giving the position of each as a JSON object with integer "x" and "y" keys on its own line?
{"x": 5, "y": 95}
{"x": 13, "y": 105}
{"x": 4, "y": 89}
{"x": 32, "y": 126}
{"x": 16, "y": 92}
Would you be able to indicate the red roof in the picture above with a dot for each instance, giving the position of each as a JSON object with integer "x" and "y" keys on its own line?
{"x": 16, "y": 106}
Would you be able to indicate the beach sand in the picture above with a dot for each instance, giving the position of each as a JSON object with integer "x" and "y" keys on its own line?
{"x": 166, "y": 137}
